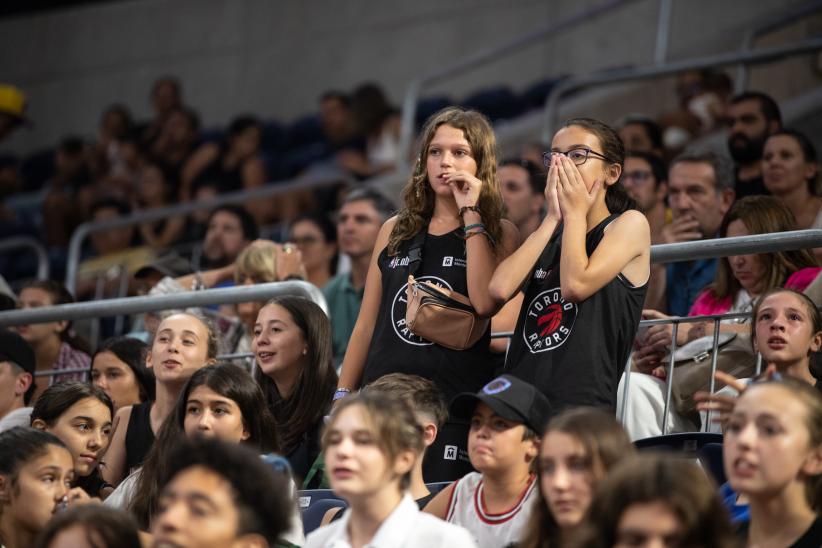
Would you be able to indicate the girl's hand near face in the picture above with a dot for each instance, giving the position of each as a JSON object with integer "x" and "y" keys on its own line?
{"x": 553, "y": 210}
{"x": 77, "y": 496}
{"x": 465, "y": 187}
{"x": 574, "y": 197}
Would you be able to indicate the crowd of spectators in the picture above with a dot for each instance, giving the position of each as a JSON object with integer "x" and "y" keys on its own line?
{"x": 153, "y": 437}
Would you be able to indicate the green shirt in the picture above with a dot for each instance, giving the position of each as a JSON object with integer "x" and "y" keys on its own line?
{"x": 343, "y": 308}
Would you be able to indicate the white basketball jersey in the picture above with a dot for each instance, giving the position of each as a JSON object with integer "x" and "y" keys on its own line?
{"x": 467, "y": 508}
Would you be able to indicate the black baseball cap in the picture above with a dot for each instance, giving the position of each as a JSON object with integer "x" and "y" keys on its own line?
{"x": 511, "y": 398}
{"x": 14, "y": 348}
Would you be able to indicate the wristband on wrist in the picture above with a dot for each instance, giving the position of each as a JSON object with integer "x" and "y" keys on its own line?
{"x": 475, "y": 225}
{"x": 341, "y": 393}
{"x": 463, "y": 209}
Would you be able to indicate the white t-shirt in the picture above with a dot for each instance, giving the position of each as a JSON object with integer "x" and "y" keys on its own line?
{"x": 19, "y": 417}
{"x": 405, "y": 527}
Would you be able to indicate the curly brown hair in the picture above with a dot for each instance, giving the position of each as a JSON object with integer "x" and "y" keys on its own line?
{"x": 418, "y": 196}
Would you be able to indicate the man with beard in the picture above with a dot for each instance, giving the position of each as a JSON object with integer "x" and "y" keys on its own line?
{"x": 523, "y": 186}
{"x": 752, "y": 118}
{"x": 230, "y": 229}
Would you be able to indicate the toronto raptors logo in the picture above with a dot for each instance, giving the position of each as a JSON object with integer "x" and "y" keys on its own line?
{"x": 398, "y": 312}
{"x": 548, "y": 321}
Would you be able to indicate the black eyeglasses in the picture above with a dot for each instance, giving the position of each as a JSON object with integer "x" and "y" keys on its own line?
{"x": 577, "y": 155}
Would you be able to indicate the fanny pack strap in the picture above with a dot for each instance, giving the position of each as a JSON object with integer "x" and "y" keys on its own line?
{"x": 415, "y": 252}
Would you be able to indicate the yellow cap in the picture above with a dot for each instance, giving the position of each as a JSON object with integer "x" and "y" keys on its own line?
{"x": 12, "y": 101}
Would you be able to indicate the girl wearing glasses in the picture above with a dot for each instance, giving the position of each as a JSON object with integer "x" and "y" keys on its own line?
{"x": 453, "y": 198}
{"x": 583, "y": 272}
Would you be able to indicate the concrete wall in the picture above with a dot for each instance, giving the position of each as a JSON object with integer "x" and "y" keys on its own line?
{"x": 274, "y": 57}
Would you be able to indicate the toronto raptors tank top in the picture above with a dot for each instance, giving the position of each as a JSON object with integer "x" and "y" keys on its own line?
{"x": 395, "y": 349}
{"x": 574, "y": 352}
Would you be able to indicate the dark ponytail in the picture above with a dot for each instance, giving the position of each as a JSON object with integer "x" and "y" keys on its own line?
{"x": 616, "y": 199}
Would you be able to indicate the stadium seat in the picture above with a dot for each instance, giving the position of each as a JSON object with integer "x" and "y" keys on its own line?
{"x": 710, "y": 455}
{"x": 308, "y": 497}
{"x": 435, "y": 488}
{"x": 498, "y": 103}
{"x": 313, "y": 515}
{"x": 428, "y": 106}
{"x": 687, "y": 442}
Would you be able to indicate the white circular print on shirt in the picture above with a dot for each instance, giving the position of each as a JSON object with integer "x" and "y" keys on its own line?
{"x": 398, "y": 307}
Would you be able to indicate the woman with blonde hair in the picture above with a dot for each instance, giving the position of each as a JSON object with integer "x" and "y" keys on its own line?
{"x": 452, "y": 213}
{"x": 263, "y": 261}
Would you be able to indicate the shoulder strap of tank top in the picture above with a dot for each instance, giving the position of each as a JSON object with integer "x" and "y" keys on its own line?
{"x": 557, "y": 234}
{"x": 415, "y": 251}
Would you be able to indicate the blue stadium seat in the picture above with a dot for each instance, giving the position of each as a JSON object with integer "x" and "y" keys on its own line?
{"x": 535, "y": 95}
{"x": 273, "y": 137}
{"x": 304, "y": 131}
{"x": 687, "y": 442}
{"x": 313, "y": 515}
{"x": 428, "y": 106}
{"x": 308, "y": 497}
{"x": 710, "y": 455}
{"x": 498, "y": 103}
{"x": 435, "y": 488}
{"x": 37, "y": 169}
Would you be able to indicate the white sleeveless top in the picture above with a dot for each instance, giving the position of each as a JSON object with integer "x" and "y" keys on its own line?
{"x": 467, "y": 508}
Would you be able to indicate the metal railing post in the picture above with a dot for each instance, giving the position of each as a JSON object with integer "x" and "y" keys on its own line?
{"x": 318, "y": 177}
{"x": 139, "y": 305}
{"x": 714, "y": 357}
{"x": 663, "y": 31}
{"x": 607, "y": 77}
{"x": 480, "y": 58}
{"x": 15, "y": 242}
{"x": 670, "y": 378}
{"x": 742, "y": 71}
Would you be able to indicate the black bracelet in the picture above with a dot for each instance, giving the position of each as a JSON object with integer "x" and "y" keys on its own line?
{"x": 463, "y": 209}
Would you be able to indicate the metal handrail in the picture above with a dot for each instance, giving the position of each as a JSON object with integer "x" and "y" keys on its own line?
{"x": 786, "y": 18}
{"x": 738, "y": 245}
{"x": 317, "y": 177}
{"x": 138, "y": 305}
{"x": 614, "y": 76}
{"x": 412, "y": 93}
{"x": 27, "y": 241}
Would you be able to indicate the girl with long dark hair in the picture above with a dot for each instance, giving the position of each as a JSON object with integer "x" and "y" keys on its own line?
{"x": 80, "y": 415}
{"x": 292, "y": 345}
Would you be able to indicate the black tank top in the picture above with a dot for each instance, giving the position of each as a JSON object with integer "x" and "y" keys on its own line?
{"x": 394, "y": 349}
{"x": 574, "y": 352}
{"x": 139, "y": 435}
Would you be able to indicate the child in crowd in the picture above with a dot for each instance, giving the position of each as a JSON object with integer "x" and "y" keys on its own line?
{"x": 292, "y": 346}
{"x": 119, "y": 369}
{"x": 773, "y": 456}
{"x": 221, "y": 401}
{"x": 55, "y": 345}
{"x": 370, "y": 446}
{"x": 786, "y": 329}
{"x": 80, "y": 415}
{"x": 90, "y": 526}
{"x": 495, "y": 503}
{"x": 422, "y": 396}
{"x": 453, "y": 204}
{"x": 579, "y": 448}
{"x": 218, "y": 494}
{"x": 183, "y": 343}
{"x": 36, "y": 471}
{"x": 584, "y": 273}
{"x": 657, "y": 500}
